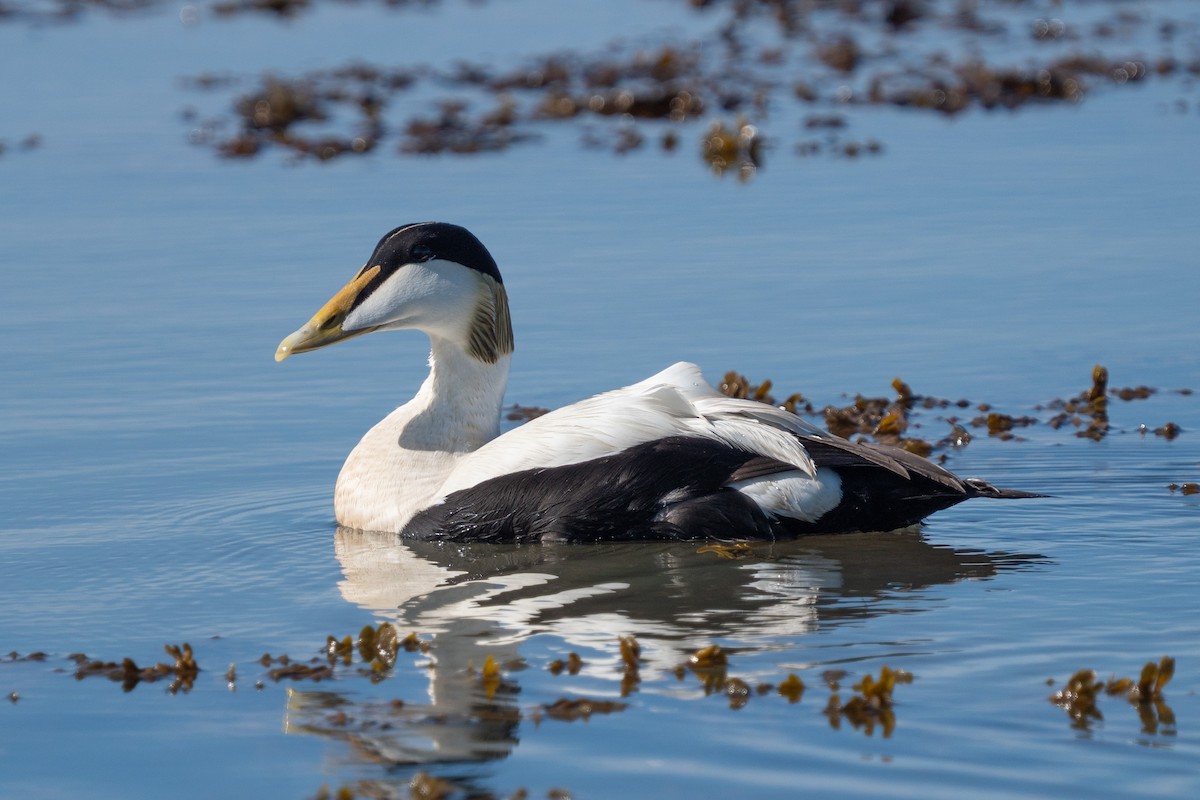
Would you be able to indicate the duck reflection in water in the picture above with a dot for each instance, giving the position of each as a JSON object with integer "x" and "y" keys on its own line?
{"x": 480, "y": 600}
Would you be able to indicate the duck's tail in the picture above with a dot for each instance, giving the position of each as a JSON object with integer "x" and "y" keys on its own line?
{"x": 981, "y": 488}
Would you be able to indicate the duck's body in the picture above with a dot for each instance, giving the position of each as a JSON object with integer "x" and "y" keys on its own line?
{"x": 669, "y": 457}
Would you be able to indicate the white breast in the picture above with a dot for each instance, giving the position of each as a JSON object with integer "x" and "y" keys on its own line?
{"x": 382, "y": 484}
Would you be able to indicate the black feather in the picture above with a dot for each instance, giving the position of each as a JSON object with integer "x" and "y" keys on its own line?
{"x": 673, "y": 488}
{"x": 679, "y": 488}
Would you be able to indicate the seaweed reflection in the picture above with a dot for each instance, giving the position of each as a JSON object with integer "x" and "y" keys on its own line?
{"x": 482, "y": 602}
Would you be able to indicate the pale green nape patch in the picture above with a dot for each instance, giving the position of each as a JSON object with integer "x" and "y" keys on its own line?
{"x": 490, "y": 334}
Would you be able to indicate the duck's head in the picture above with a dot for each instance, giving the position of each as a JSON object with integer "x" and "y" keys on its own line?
{"x": 429, "y": 276}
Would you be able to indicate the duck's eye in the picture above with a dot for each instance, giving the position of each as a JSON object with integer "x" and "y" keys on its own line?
{"x": 421, "y": 253}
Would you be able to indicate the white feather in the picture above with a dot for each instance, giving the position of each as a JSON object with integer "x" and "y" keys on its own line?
{"x": 794, "y": 494}
{"x": 674, "y": 402}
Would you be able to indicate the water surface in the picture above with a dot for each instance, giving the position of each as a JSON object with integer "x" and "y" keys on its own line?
{"x": 164, "y": 481}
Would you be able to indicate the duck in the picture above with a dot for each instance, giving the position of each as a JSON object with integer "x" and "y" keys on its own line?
{"x": 666, "y": 458}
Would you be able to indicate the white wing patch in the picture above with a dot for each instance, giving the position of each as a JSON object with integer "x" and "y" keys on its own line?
{"x": 675, "y": 402}
{"x": 794, "y": 494}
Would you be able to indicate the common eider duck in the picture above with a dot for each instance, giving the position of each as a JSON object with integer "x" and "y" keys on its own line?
{"x": 667, "y": 458}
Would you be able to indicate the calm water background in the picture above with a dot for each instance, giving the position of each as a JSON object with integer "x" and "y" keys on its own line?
{"x": 162, "y": 480}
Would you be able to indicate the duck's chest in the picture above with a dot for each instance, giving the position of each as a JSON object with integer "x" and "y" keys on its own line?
{"x": 397, "y": 469}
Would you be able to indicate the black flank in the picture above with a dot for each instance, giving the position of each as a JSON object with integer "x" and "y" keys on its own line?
{"x": 619, "y": 497}
{"x": 678, "y": 488}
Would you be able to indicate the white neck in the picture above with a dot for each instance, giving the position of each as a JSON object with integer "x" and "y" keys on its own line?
{"x": 401, "y": 463}
{"x": 457, "y": 408}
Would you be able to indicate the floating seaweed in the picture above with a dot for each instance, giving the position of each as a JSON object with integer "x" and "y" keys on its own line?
{"x": 729, "y": 551}
{"x": 520, "y": 413}
{"x": 872, "y": 705}
{"x": 1087, "y": 411}
{"x": 342, "y": 793}
{"x": 631, "y": 658}
{"x": 792, "y": 688}
{"x": 711, "y": 657}
{"x": 424, "y": 786}
{"x": 853, "y": 61}
{"x": 183, "y": 670}
{"x": 737, "y": 149}
{"x": 376, "y": 648}
{"x": 1133, "y": 393}
{"x": 301, "y": 672}
{"x": 889, "y": 420}
{"x": 847, "y": 57}
{"x": 883, "y": 419}
{"x": 710, "y": 664}
{"x": 1082, "y": 691}
{"x": 736, "y": 385}
{"x": 489, "y": 677}
{"x": 1078, "y": 698}
{"x": 1001, "y": 425}
{"x": 738, "y": 692}
{"x": 453, "y": 130}
{"x": 572, "y": 665}
{"x": 569, "y": 710}
{"x": 1153, "y": 678}
{"x": 339, "y": 650}
{"x": 1168, "y": 431}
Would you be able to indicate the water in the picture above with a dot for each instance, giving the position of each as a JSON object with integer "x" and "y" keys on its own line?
{"x": 164, "y": 481}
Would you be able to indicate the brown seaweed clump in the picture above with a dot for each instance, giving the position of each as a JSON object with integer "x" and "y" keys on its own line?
{"x": 631, "y": 660}
{"x": 710, "y": 664}
{"x": 883, "y": 419}
{"x": 729, "y": 551}
{"x": 1168, "y": 431}
{"x": 889, "y": 420}
{"x": 572, "y": 665}
{"x": 847, "y": 56}
{"x": 792, "y": 688}
{"x": 872, "y": 705}
{"x": 323, "y": 114}
{"x": 376, "y": 648}
{"x": 736, "y": 149}
{"x": 1079, "y": 698}
{"x": 880, "y": 418}
{"x": 737, "y": 385}
{"x": 300, "y": 672}
{"x": 183, "y": 670}
{"x": 1001, "y": 425}
{"x": 1087, "y": 411}
{"x": 569, "y": 710}
{"x": 838, "y": 55}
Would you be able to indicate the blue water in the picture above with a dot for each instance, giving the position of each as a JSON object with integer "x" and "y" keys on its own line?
{"x": 163, "y": 480}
